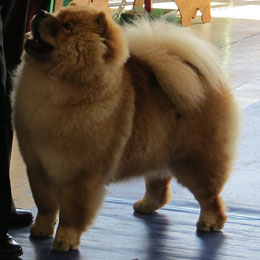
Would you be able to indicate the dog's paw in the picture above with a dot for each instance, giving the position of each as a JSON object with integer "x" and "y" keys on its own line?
{"x": 211, "y": 224}
{"x": 66, "y": 239}
{"x": 65, "y": 244}
{"x": 144, "y": 207}
{"x": 41, "y": 231}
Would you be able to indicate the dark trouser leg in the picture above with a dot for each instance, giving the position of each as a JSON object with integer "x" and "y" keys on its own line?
{"x": 14, "y": 15}
{"x": 5, "y": 191}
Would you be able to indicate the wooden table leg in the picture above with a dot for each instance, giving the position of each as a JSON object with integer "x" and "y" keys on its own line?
{"x": 148, "y": 5}
{"x": 57, "y": 5}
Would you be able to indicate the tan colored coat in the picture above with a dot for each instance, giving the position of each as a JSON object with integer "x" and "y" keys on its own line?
{"x": 95, "y": 104}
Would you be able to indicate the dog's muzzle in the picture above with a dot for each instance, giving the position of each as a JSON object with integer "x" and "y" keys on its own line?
{"x": 36, "y": 45}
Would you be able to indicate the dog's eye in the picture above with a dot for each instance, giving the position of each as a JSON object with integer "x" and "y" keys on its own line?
{"x": 67, "y": 27}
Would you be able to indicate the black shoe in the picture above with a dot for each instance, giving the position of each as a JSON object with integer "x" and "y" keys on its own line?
{"x": 9, "y": 248}
{"x": 20, "y": 218}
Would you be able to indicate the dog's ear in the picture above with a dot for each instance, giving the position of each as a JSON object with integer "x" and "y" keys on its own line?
{"x": 112, "y": 36}
{"x": 104, "y": 32}
{"x": 101, "y": 19}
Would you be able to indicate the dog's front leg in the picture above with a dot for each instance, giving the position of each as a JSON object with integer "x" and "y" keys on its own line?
{"x": 79, "y": 204}
{"x": 45, "y": 198}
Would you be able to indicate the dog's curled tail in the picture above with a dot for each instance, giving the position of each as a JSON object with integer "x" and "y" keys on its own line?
{"x": 184, "y": 65}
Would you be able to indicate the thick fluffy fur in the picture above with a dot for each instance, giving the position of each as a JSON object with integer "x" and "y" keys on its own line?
{"x": 95, "y": 104}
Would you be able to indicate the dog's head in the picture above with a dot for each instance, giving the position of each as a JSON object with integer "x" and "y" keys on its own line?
{"x": 75, "y": 39}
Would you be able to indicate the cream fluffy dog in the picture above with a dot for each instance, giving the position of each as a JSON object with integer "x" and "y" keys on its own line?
{"x": 95, "y": 104}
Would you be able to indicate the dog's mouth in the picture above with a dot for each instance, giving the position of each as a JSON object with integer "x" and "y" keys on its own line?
{"x": 36, "y": 45}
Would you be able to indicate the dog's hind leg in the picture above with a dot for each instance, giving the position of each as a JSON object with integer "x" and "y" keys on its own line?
{"x": 45, "y": 199}
{"x": 157, "y": 193}
{"x": 205, "y": 176}
{"x": 80, "y": 201}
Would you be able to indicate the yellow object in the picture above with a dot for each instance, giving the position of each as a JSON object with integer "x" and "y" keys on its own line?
{"x": 188, "y": 9}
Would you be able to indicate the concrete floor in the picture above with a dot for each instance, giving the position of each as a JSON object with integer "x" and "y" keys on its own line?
{"x": 235, "y": 31}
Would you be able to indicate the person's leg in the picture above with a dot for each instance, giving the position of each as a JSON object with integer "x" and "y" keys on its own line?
{"x": 14, "y": 16}
{"x": 5, "y": 191}
{"x": 8, "y": 246}
{"x": 13, "y": 37}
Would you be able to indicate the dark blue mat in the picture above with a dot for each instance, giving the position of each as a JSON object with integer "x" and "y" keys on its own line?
{"x": 118, "y": 233}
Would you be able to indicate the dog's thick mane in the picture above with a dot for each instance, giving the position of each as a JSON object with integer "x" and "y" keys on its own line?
{"x": 177, "y": 58}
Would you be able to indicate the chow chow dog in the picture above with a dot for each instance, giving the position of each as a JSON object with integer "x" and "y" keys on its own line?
{"x": 95, "y": 103}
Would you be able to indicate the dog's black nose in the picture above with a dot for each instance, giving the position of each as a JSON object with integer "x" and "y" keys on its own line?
{"x": 42, "y": 14}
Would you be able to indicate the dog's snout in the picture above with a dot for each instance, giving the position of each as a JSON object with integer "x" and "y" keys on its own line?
{"x": 42, "y": 14}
